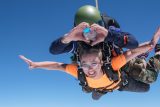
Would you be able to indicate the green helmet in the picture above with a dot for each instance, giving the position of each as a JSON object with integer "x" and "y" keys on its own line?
{"x": 87, "y": 13}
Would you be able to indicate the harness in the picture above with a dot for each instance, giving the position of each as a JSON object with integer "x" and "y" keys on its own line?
{"x": 107, "y": 52}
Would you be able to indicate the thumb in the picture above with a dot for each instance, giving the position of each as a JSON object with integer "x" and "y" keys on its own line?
{"x": 94, "y": 42}
{"x": 86, "y": 41}
{"x": 31, "y": 67}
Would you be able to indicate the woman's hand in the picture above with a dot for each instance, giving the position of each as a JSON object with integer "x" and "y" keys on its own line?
{"x": 155, "y": 38}
{"x": 30, "y": 63}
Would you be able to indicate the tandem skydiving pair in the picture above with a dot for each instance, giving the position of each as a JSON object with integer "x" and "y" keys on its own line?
{"x": 99, "y": 61}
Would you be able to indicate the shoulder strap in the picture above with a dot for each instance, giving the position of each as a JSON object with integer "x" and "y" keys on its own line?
{"x": 83, "y": 82}
{"x": 75, "y": 56}
{"x": 108, "y": 70}
{"x": 111, "y": 74}
{"x": 82, "y": 78}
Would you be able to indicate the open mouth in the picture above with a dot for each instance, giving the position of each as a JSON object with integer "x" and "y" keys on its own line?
{"x": 91, "y": 74}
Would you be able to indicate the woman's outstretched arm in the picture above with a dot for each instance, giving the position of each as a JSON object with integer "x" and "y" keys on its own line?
{"x": 132, "y": 53}
{"x": 49, "y": 65}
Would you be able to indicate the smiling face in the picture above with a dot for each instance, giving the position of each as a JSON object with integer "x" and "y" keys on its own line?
{"x": 91, "y": 64}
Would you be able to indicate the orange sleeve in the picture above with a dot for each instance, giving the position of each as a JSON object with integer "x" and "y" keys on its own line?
{"x": 72, "y": 70}
{"x": 118, "y": 61}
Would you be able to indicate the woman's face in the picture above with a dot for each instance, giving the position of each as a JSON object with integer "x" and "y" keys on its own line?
{"x": 91, "y": 65}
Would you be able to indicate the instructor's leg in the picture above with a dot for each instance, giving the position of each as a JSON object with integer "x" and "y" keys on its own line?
{"x": 135, "y": 86}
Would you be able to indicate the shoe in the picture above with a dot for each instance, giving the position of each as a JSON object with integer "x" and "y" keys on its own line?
{"x": 96, "y": 95}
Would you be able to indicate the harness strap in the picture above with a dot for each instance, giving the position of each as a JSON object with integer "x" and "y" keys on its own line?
{"x": 123, "y": 82}
{"x": 107, "y": 68}
{"x": 82, "y": 78}
{"x": 104, "y": 90}
{"x": 111, "y": 74}
{"x": 87, "y": 89}
{"x": 83, "y": 82}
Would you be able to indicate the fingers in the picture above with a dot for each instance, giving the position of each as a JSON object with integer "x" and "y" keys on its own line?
{"x": 158, "y": 31}
{"x": 28, "y": 61}
{"x": 99, "y": 29}
{"x": 95, "y": 27}
{"x": 95, "y": 42}
{"x": 25, "y": 59}
{"x": 156, "y": 37}
{"x": 77, "y": 32}
{"x": 158, "y": 28}
{"x": 86, "y": 41}
{"x": 83, "y": 25}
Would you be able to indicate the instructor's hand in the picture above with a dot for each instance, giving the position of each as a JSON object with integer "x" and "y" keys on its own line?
{"x": 76, "y": 34}
{"x": 101, "y": 33}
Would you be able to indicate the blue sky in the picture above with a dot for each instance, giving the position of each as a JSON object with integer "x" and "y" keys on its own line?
{"x": 28, "y": 27}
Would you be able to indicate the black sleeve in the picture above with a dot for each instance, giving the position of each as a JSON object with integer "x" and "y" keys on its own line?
{"x": 57, "y": 47}
{"x": 122, "y": 39}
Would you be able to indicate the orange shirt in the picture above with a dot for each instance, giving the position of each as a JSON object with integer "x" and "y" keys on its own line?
{"x": 116, "y": 62}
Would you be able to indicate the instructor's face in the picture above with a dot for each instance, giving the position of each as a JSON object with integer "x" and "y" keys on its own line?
{"x": 91, "y": 65}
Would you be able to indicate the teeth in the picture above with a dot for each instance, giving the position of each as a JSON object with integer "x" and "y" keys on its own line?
{"x": 91, "y": 73}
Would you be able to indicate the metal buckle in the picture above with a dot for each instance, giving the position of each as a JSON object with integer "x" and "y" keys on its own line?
{"x": 125, "y": 82}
